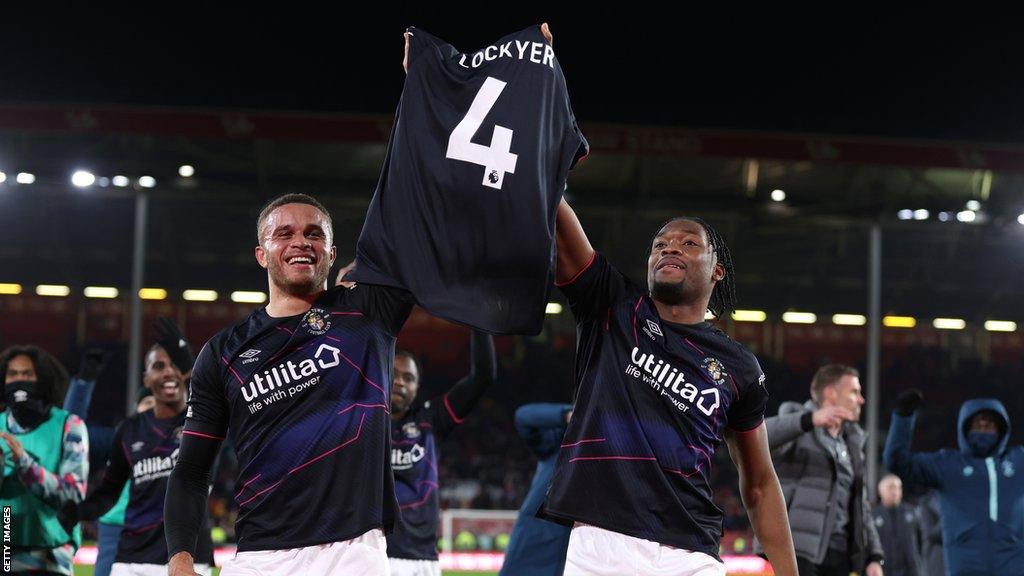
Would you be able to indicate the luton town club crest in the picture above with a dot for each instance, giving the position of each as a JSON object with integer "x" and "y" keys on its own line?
{"x": 714, "y": 369}
{"x": 316, "y": 321}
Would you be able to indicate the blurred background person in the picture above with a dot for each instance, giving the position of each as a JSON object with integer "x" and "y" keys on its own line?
{"x": 538, "y": 546}
{"x": 982, "y": 493}
{"x": 818, "y": 450}
{"x": 899, "y": 529}
{"x": 45, "y": 456}
{"x": 930, "y": 515}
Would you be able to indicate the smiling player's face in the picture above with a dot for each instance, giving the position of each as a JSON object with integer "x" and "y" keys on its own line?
{"x": 295, "y": 248}
{"x": 682, "y": 265}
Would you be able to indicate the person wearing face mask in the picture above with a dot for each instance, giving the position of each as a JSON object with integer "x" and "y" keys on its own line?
{"x": 980, "y": 485}
{"x": 45, "y": 462}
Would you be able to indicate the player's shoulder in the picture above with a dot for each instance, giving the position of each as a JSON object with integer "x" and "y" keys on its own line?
{"x": 738, "y": 356}
{"x": 240, "y": 331}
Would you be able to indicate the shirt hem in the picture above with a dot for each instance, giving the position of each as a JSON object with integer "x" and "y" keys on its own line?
{"x": 597, "y": 523}
{"x": 278, "y": 545}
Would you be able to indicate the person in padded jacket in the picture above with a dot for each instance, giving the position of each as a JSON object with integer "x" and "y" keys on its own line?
{"x": 980, "y": 485}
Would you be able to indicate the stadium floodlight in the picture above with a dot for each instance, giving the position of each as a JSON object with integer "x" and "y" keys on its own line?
{"x": 52, "y": 290}
{"x": 899, "y": 322}
{"x": 921, "y": 214}
{"x": 1020, "y": 219}
{"x": 152, "y": 293}
{"x": 246, "y": 297}
{"x": 103, "y": 181}
{"x": 83, "y": 178}
{"x": 944, "y": 217}
{"x": 799, "y": 318}
{"x": 849, "y": 319}
{"x": 778, "y": 195}
{"x": 905, "y": 214}
{"x": 966, "y": 215}
{"x": 3, "y": 177}
{"x": 100, "y": 292}
{"x": 10, "y": 289}
{"x": 973, "y": 205}
{"x": 120, "y": 181}
{"x": 25, "y": 178}
{"x": 147, "y": 181}
{"x": 949, "y": 323}
{"x": 1000, "y": 326}
{"x": 749, "y": 315}
{"x": 199, "y": 295}
{"x": 553, "y": 308}
{"x": 186, "y": 171}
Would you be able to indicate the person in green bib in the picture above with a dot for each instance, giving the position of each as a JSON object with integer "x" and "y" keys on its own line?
{"x": 45, "y": 458}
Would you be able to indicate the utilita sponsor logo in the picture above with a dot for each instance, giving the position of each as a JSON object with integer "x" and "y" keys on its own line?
{"x": 154, "y": 467}
{"x": 405, "y": 459}
{"x": 670, "y": 382}
{"x": 283, "y": 374}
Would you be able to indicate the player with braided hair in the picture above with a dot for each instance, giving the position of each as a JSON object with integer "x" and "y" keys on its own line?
{"x": 657, "y": 390}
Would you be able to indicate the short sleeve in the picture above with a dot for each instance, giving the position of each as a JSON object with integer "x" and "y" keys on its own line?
{"x": 208, "y": 410}
{"x": 747, "y": 411}
{"x": 389, "y": 306}
{"x": 594, "y": 289}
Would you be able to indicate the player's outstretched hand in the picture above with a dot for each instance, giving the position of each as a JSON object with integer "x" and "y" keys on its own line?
{"x": 181, "y": 565}
{"x": 831, "y": 416}
{"x": 405, "y": 59}
{"x": 908, "y": 401}
{"x": 340, "y": 279}
{"x": 92, "y": 364}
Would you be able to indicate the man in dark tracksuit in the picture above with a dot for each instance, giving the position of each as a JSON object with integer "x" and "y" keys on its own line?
{"x": 818, "y": 451}
{"x": 899, "y": 529}
{"x": 980, "y": 486}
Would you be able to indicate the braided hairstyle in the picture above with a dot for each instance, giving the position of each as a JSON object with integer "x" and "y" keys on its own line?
{"x": 723, "y": 297}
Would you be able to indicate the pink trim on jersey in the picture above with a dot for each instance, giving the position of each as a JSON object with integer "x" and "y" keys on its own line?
{"x": 694, "y": 346}
{"x": 451, "y": 412}
{"x": 283, "y": 329}
{"x": 228, "y": 364}
{"x": 612, "y": 458}
{"x": 363, "y": 406}
{"x": 636, "y": 310}
{"x": 582, "y": 442}
{"x": 360, "y": 370}
{"x": 422, "y": 501}
{"x": 359, "y": 431}
{"x": 246, "y": 485}
{"x": 706, "y": 456}
{"x": 145, "y": 528}
{"x": 576, "y": 276}
{"x": 346, "y": 313}
{"x": 201, "y": 435}
{"x": 734, "y": 387}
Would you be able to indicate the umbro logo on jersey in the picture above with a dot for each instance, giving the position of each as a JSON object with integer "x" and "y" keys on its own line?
{"x": 250, "y": 355}
{"x": 653, "y": 326}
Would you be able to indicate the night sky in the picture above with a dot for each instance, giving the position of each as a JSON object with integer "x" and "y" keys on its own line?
{"x": 871, "y": 73}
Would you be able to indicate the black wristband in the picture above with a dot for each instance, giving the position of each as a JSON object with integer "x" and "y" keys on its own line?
{"x": 807, "y": 421}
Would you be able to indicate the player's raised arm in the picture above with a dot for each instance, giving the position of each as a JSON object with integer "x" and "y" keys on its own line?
{"x": 574, "y": 249}
{"x": 762, "y": 497}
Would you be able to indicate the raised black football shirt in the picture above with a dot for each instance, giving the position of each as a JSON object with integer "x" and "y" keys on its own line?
{"x": 306, "y": 401}
{"x": 653, "y": 400}
{"x": 464, "y": 212}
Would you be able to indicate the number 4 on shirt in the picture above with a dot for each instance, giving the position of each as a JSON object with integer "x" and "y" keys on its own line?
{"x": 496, "y": 158}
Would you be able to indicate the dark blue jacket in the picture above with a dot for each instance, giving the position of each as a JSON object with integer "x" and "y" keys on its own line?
{"x": 537, "y": 547}
{"x": 982, "y": 499}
